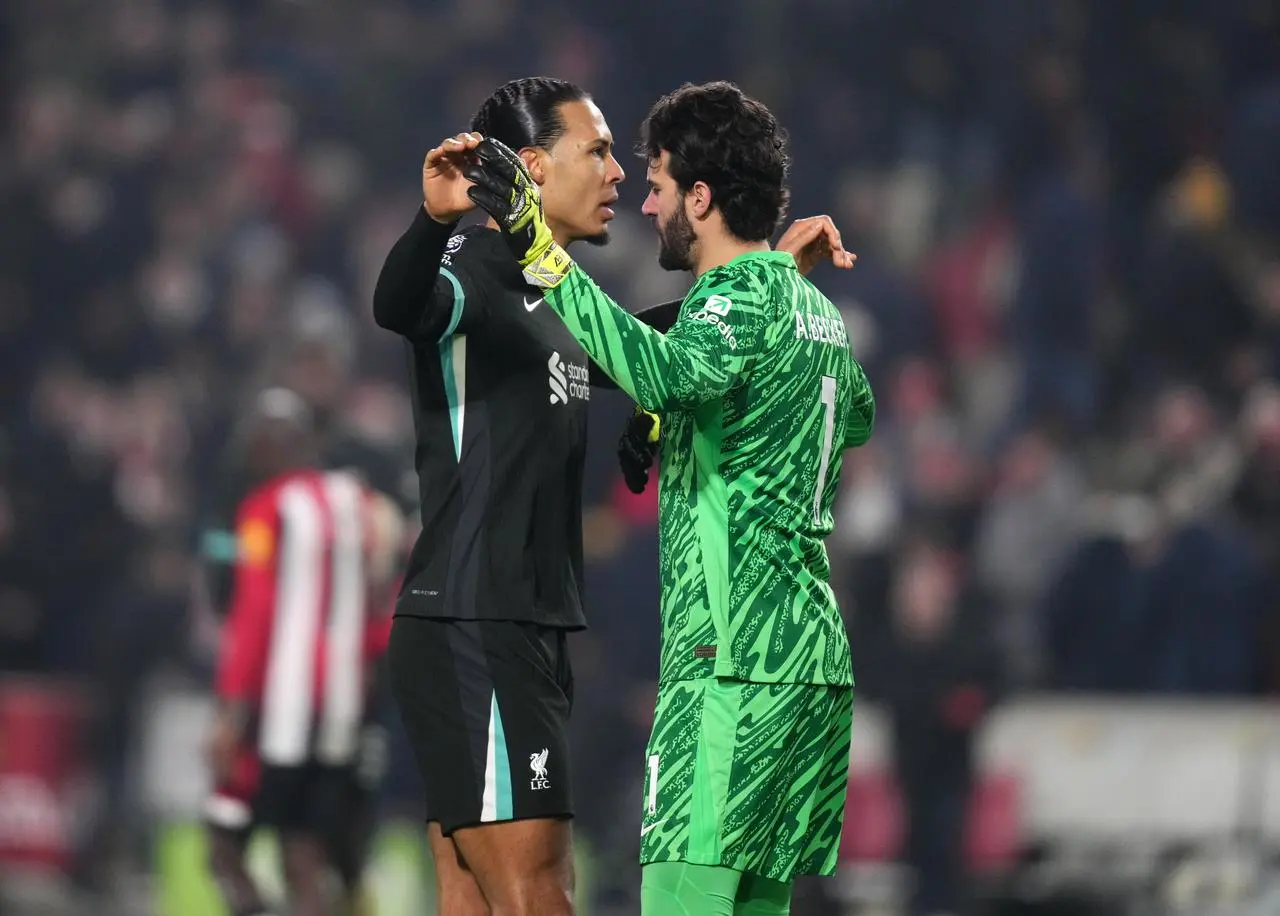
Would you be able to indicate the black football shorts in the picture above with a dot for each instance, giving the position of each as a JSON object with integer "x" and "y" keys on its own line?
{"x": 485, "y": 704}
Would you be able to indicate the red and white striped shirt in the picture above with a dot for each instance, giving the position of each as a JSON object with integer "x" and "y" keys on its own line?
{"x": 302, "y": 631}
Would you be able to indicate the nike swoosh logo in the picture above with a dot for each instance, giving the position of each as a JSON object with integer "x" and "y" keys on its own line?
{"x": 645, "y": 831}
{"x": 530, "y": 306}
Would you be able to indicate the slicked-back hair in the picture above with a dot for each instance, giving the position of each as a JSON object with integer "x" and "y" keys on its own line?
{"x": 526, "y": 112}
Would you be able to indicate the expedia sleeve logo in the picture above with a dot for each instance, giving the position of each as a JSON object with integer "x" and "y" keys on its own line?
{"x": 714, "y": 311}
{"x": 567, "y": 380}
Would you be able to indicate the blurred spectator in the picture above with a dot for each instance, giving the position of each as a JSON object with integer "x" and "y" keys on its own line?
{"x": 1055, "y": 309}
{"x": 1148, "y": 605}
{"x": 1182, "y": 461}
{"x": 1256, "y": 496}
{"x": 1194, "y": 259}
{"x": 1256, "y": 501}
{"x": 1031, "y": 523}
{"x": 945, "y": 678}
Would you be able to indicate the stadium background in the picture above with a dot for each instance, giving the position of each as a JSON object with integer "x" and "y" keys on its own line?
{"x": 1067, "y": 214}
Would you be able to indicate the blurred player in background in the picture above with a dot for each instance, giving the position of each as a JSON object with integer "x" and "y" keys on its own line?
{"x": 314, "y": 358}
{"x": 308, "y": 622}
{"x": 478, "y": 650}
{"x": 758, "y": 395}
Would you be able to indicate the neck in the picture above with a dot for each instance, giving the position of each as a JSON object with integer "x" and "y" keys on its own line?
{"x": 719, "y": 251}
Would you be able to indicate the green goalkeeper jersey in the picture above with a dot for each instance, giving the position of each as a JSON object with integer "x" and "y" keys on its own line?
{"x": 758, "y": 394}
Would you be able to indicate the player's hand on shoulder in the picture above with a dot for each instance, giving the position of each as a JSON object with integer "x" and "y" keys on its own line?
{"x": 444, "y": 186}
{"x": 813, "y": 240}
{"x": 638, "y": 447}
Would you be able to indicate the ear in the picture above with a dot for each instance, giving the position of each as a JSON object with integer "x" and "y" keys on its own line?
{"x": 699, "y": 198}
{"x": 534, "y": 163}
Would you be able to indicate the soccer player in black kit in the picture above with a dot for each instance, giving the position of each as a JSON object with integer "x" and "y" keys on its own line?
{"x": 478, "y": 656}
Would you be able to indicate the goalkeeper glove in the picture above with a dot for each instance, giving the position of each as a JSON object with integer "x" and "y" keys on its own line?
{"x": 638, "y": 447}
{"x": 507, "y": 192}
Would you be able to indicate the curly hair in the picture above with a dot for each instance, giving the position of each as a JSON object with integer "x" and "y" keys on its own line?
{"x": 717, "y": 134}
{"x": 526, "y": 112}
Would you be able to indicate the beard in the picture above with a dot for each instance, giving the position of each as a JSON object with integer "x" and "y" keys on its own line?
{"x": 676, "y": 240}
{"x": 601, "y": 238}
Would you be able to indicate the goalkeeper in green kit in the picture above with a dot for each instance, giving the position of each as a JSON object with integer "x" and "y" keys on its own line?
{"x": 757, "y": 395}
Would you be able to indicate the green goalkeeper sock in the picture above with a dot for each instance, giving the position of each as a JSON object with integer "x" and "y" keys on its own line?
{"x": 682, "y": 889}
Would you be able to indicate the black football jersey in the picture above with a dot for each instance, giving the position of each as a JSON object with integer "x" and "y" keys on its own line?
{"x": 500, "y": 392}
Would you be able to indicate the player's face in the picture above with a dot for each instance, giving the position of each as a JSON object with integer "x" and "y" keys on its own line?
{"x": 581, "y": 176}
{"x": 273, "y": 445}
{"x": 665, "y": 205}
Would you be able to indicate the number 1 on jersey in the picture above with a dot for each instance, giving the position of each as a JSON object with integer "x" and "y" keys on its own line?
{"x": 828, "y": 434}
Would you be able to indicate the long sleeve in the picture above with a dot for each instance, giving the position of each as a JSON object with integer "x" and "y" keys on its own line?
{"x": 659, "y": 317}
{"x": 862, "y": 411}
{"x": 242, "y": 663}
{"x": 703, "y": 356}
{"x": 404, "y": 299}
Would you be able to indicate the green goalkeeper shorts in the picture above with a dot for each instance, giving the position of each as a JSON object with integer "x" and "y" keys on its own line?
{"x": 747, "y": 776}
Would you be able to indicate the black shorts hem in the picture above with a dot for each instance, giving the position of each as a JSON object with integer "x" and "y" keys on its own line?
{"x": 468, "y": 824}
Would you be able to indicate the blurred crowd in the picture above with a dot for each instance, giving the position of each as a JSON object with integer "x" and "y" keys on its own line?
{"x": 1067, "y": 216}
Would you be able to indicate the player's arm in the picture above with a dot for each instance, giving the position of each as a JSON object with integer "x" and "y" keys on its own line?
{"x": 385, "y": 528}
{"x": 702, "y": 357}
{"x": 659, "y": 317}
{"x": 414, "y": 296}
{"x": 405, "y": 299}
{"x": 216, "y": 555}
{"x": 862, "y": 410}
{"x": 242, "y": 661}
{"x": 417, "y": 297}
{"x": 810, "y": 241}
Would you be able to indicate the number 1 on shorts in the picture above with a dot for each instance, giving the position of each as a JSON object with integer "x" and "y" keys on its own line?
{"x": 828, "y": 433}
{"x": 653, "y": 783}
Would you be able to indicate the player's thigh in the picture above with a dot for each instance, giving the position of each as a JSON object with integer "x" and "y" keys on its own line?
{"x": 486, "y": 707}
{"x": 518, "y": 862}
{"x": 456, "y": 888}
{"x": 687, "y": 752}
{"x": 784, "y": 814}
{"x": 749, "y": 776}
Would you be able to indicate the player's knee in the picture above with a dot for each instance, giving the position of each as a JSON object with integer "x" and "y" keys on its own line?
{"x": 224, "y": 856}
{"x": 536, "y": 902}
{"x": 304, "y": 862}
{"x": 462, "y": 899}
{"x": 544, "y": 890}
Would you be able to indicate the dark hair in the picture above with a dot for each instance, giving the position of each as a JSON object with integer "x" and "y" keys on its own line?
{"x": 526, "y": 112}
{"x": 717, "y": 134}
